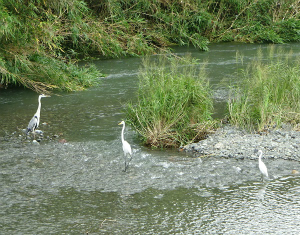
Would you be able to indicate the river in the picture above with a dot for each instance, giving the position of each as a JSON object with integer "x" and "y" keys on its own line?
{"x": 78, "y": 186}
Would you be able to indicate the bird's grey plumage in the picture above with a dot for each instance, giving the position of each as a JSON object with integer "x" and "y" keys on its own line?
{"x": 35, "y": 120}
{"x": 33, "y": 124}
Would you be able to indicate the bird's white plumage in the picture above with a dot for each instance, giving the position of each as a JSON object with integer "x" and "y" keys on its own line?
{"x": 126, "y": 146}
{"x": 262, "y": 167}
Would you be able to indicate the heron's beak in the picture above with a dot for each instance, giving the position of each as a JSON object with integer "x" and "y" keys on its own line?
{"x": 46, "y": 95}
{"x": 120, "y": 123}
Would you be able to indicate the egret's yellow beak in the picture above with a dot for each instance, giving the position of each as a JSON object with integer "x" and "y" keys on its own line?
{"x": 120, "y": 123}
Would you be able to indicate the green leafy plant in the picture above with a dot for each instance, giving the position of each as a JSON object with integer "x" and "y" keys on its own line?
{"x": 268, "y": 95}
{"x": 174, "y": 103}
{"x": 68, "y": 30}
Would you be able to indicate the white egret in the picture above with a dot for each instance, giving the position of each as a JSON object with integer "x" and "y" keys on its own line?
{"x": 126, "y": 146}
{"x": 35, "y": 120}
{"x": 262, "y": 167}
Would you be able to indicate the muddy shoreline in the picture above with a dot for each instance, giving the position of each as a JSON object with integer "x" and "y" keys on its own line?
{"x": 231, "y": 142}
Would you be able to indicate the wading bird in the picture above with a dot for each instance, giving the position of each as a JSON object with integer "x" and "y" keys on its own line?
{"x": 35, "y": 120}
{"x": 126, "y": 147}
{"x": 262, "y": 167}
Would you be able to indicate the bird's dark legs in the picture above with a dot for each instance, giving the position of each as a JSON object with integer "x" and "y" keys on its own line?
{"x": 126, "y": 166}
{"x": 127, "y": 163}
{"x": 264, "y": 178}
{"x": 129, "y": 160}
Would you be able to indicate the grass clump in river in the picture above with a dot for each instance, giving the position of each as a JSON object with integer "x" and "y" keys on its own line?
{"x": 174, "y": 104}
{"x": 269, "y": 94}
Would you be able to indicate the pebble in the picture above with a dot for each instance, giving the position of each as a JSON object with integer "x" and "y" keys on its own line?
{"x": 35, "y": 142}
{"x": 219, "y": 145}
{"x": 229, "y": 141}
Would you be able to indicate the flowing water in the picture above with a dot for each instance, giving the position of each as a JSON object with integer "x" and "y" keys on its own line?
{"x": 78, "y": 186}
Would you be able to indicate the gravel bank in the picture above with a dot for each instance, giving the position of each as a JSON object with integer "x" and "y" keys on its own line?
{"x": 231, "y": 142}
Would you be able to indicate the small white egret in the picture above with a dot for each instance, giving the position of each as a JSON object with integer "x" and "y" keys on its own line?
{"x": 262, "y": 167}
{"x": 126, "y": 146}
{"x": 35, "y": 120}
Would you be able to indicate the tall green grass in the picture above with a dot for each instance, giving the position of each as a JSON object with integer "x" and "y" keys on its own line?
{"x": 269, "y": 93}
{"x": 65, "y": 30}
{"x": 174, "y": 104}
{"x": 43, "y": 73}
{"x": 36, "y": 41}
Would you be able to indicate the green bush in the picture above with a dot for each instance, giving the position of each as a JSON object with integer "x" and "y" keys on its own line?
{"x": 269, "y": 94}
{"x": 174, "y": 103}
{"x": 35, "y": 37}
{"x": 43, "y": 73}
{"x": 64, "y": 30}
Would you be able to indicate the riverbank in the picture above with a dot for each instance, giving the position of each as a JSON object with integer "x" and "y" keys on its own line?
{"x": 40, "y": 52}
{"x": 231, "y": 142}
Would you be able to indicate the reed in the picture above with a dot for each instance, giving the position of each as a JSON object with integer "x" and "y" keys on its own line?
{"x": 68, "y": 30}
{"x": 36, "y": 44}
{"x": 268, "y": 95}
{"x": 42, "y": 73}
{"x": 174, "y": 103}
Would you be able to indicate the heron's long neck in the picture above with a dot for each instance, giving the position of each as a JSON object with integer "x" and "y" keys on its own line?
{"x": 259, "y": 156}
{"x": 122, "y": 135}
{"x": 39, "y": 107}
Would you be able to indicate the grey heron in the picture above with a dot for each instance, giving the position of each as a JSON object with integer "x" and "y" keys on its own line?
{"x": 35, "y": 120}
{"x": 126, "y": 147}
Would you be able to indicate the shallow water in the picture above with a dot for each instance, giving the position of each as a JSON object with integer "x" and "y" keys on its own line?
{"x": 79, "y": 187}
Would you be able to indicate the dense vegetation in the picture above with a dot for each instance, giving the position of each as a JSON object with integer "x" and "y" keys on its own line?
{"x": 36, "y": 40}
{"x": 40, "y": 39}
{"x": 174, "y": 103}
{"x": 268, "y": 95}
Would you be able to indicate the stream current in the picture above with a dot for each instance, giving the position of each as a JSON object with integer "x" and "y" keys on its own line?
{"x": 78, "y": 186}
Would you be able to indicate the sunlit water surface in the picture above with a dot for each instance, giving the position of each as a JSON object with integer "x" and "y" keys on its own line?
{"x": 79, "y": 187}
